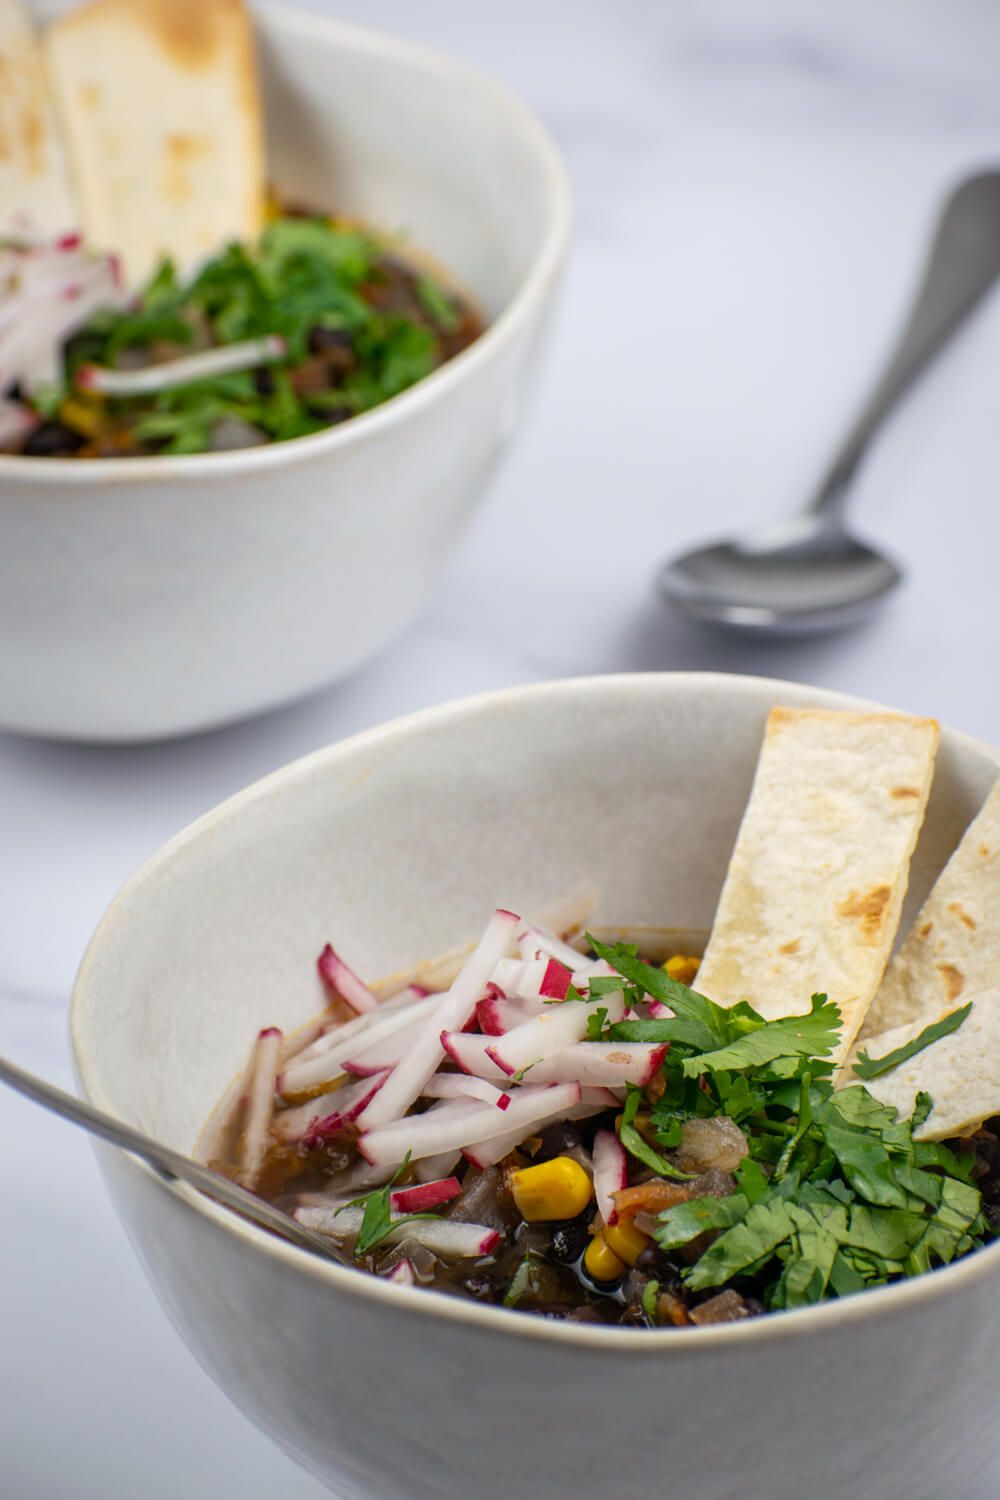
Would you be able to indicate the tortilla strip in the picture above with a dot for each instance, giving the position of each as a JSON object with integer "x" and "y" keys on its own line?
{"x": 953, "y": 948}
{"x": 163, "y": 124}
{"x": 35, "y": 196}
{"x": 961, "y": 1072}
{"x": 815, "y": 886}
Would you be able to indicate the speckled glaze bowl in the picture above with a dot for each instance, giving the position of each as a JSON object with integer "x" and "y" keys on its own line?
{"x": 397, "y": 843}
{"x": 147, "y": 597}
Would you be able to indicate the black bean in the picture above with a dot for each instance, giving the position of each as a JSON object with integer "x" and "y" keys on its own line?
{"x": 53, "y": 440}
{"x": 569, "y": 1240}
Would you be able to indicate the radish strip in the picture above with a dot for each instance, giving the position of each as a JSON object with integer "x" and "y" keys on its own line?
{"x": 316, "y": 1121}
{"x": 460, "y": 1125}
{"x": 532, "y": 939}
{"x": 165, "y": 376}
{"x": 485, "y": 1154}
{"x": 424, "y": 1196}
{"x": 604, "y": 1064}
{"x": 445, "y": 1237}
{"x": 497, "y": 1016}
{"x": 432, "y": 1167}
{"x": 464, "y": 1086}
{"x": 324, "y": 1066}
{"x": 451, "y": 1013}
{"x": 260, "y": 1103}
{"x": 344, "y": 982}
{"x": 610, "y": 1173}
{"x": 560, "y": 1027}
{"x": 470, "y": 1054}
{"x": 402, "y": 1274}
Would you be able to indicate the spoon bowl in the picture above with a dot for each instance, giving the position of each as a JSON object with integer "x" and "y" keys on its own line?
{"x": 810, "y": 575}
{"x": 805, "y": 577}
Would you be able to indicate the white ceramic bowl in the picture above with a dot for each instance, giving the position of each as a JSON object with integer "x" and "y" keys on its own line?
{"x": 147, "y": 597}
{"x": 397, "y": 843}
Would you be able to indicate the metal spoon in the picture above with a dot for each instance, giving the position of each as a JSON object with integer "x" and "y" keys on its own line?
{"x": 167, "y": 1162}
{"x": 809, "y": 574}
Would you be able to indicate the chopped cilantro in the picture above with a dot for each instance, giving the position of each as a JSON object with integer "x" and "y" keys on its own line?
{"x": 867, "y": 1067}
{"x": 834, "y": 1195}
{"x": 378, "y": 1221}
{"x": 304, "y": 278}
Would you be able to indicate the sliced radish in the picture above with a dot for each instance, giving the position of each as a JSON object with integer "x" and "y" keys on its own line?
{"x": 311, "y": 1124}
{"x": 496, "y": 1016}
{"x": 657, "y": 1011}
{"x": 402, "y": 1273}
{"x": 556, "y": 980}
{"x": 532, "y": 939}
{"x": 536, "y": 978}
{"x": 464, "y": 1086}
{"x": 610, "y": 1173}
{"x": 432, "y": 1167}
{"x": 605, "y": 1064}
{"x": 445, "y": 1237}
{"x": 485, "y": 1154}
{"x": 261, "y": 1079}
{"x": 560, "y": 1027}
{"x": 424, "y": 1196}
{"x": 204, "y": 365}
{"x": 352, "y": 1041}
{"x": 451, "y": 1013}
{"x": 344, "y": 982}
{"x": 606, "y": 1098}
{"x": 459, "y": 1125}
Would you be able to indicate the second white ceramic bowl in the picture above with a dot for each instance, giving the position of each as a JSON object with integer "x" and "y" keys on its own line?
{"x": 141, "y": 598}
{"x": 396, "y": 845}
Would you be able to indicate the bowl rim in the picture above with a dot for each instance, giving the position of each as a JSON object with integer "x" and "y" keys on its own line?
{"x": 433, "y": 388}
{"x": 488, "y": 1319}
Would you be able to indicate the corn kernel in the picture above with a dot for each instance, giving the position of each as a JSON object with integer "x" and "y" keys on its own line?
{"x": 557, "y": 1189}
{"x": 625, "y": 1240}
{"x": 601, "y": 1262}
{"x": 683, "y": 967}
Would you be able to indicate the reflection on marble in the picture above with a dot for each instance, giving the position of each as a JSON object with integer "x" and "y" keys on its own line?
{"x": 753, "y": 185}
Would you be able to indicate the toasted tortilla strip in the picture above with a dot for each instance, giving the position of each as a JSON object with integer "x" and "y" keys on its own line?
{"x": 162, "y": 120}
{"x": 961, "y": 1072}
{"x": 953, "y": 948}
{"x": 35, "y": 195}
{"x": 815, "y": 886}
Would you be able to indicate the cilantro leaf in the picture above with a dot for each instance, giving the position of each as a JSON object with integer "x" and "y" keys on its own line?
{"x": 636, "y": 1146}
{"x": 867, "y": 1067}
{"x": 378, "y": 1221}
{"x": 809, "y": 1036}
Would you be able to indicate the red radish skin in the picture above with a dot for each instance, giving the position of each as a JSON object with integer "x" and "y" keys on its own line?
{"x": 556, "y": 980}
{"x": 610, "y": 1173}
{"x": 310, "y": 1124}
{"x": 336, "y": 975}
{"x": 402, "y": 1274}
{"x": 424, "y": 1196}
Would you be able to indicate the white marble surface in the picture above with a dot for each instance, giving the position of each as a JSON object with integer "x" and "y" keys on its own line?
{"x": 753, "y": 185}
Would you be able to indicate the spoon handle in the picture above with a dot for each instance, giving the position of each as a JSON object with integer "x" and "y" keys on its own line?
{"x": 166, "y": 1161}
{"x": 963, "y": 263}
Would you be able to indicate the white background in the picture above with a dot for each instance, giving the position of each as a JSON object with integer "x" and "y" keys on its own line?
{"x": 753, "y": 186}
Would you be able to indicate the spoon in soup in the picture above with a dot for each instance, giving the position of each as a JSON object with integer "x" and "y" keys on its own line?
{"x": 169, "y": 1163}
{"x": 809, "y": 574}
